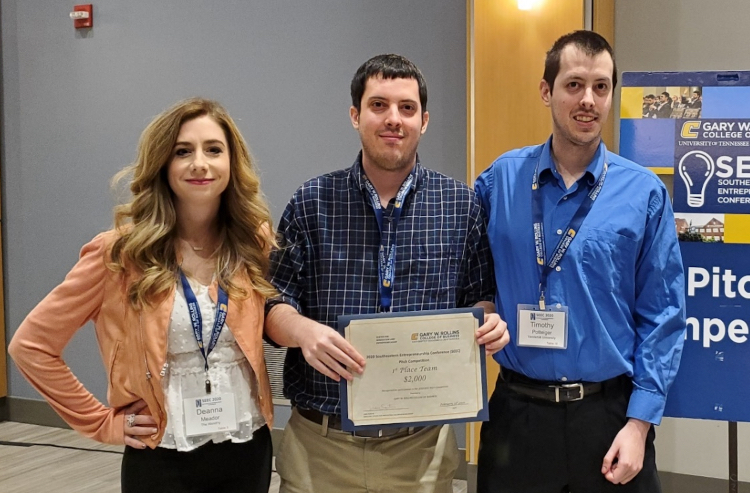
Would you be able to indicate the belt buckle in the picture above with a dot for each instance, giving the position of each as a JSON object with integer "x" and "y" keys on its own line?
{"x": 569, "y": 386}
{"x": 368, "y": 433}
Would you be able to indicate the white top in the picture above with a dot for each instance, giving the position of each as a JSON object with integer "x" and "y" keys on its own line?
{"x": 229, "y": 371}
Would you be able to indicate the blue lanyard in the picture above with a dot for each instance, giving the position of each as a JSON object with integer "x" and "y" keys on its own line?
{"x": 196, "y": 319}
{"x": 547, "y": 266}
{"x": 387, "y": 250}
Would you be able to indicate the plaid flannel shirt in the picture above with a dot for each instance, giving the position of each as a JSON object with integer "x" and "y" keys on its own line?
{"x": 327, "y": 263}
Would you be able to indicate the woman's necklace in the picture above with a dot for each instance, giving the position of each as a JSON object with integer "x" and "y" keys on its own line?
{"x": 196, "y": 261}
{"x": 195, "y": 248}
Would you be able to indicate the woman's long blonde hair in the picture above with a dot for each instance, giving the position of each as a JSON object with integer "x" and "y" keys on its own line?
{"x": 145, "y": 251}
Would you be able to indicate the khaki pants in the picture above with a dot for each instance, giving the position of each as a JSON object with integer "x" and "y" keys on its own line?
{"x": 313, "y": 458}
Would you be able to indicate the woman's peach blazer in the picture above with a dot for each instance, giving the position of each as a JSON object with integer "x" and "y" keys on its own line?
{"x": 133, "y": 346}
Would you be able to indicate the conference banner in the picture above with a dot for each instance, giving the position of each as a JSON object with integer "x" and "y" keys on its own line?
{"x": 712, "y": 162}
{"x": 694, "y": 127}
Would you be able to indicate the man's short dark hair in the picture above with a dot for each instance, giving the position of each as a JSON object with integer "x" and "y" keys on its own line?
{"x": 665, "y": 93}
{"x": 388, "y": 67}
{"x": 589, "y": 42}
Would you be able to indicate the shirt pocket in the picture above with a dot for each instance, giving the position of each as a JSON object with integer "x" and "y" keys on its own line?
{"x": 608, "y": 260}
{"x": 435, "y": 270}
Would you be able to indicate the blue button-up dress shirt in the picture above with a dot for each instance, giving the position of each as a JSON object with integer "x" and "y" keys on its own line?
{"x": 621, "y": 279}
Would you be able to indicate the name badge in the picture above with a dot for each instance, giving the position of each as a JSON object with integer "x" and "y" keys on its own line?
{"x": 546, "y": 328}
{"x": 209, "y": 414}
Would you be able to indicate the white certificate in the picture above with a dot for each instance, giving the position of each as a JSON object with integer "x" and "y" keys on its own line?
{"x": 420, "y": 368}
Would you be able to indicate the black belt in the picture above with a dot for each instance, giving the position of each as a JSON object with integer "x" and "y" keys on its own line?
{"x": 553, "y": 392}
{"x": 334, "y": 421}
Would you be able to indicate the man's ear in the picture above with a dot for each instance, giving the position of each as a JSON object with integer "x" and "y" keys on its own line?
{"x": 354, "y": 116}
{"x": 425, "y": 121}
{"x": 545, "y": 92}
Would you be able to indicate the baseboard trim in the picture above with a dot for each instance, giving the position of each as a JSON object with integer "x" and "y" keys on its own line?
{"x": 3, "y": 409}
{"x": 32, "y": 411}
{"x": 471, "y": 478}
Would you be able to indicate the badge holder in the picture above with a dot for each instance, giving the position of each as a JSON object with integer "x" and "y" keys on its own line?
{"x": 209, "y": 414}
{"x": 542, "y": 328}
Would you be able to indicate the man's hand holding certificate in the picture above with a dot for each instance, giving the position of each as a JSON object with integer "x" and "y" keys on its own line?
{"x": 422, "y": 367}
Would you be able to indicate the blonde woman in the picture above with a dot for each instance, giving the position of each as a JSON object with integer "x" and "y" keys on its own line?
{"x": 176, "y": 293}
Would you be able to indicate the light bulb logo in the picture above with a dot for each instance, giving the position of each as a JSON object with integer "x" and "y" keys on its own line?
{"x": 696, "y": 168}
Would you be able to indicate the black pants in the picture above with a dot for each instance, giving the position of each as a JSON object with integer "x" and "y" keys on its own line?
{"x": 214, "y": 467}
{"x": 534, "y": 446}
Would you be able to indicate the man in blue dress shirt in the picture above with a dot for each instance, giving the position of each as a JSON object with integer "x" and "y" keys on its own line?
{"x": 591, "y": 284}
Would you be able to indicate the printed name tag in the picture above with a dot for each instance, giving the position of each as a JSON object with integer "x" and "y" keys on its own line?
{"x": 209, "y": 414}
{"x": 542, "y": 328}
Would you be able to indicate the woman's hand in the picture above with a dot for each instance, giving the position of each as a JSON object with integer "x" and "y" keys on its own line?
{"x": 137, "y": 425}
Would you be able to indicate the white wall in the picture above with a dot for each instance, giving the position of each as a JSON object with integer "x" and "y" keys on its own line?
{"x": 688, "y": 35}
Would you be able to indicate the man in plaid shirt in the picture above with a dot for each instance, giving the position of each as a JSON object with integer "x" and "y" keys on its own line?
{"x": 342, "y": 234}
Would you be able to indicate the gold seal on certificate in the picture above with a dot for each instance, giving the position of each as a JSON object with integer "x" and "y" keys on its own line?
{"x": 422, "y": 367}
